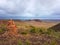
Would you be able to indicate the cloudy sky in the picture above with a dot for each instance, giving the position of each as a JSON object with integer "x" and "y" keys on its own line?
{"x": 41, "y": 9}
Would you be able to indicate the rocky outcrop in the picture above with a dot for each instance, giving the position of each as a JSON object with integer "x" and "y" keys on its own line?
{"x": 11, "y": 28}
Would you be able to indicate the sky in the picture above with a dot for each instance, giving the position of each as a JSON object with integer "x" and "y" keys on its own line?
{"x": 25, "y": 9}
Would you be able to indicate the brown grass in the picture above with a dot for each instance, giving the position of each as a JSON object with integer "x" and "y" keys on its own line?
{"x": 25, "y": 37}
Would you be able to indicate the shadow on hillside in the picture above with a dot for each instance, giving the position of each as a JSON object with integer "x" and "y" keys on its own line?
{"x": 55, "y": 27}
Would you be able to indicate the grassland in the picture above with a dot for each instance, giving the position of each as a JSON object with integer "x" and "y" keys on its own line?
{"x": 31, "y": 33}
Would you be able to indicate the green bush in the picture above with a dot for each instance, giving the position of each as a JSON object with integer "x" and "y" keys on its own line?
{"x": 53, "y": 42}
{"x": 2, "y": 28}
{"x": 1, "y": 31}
{"x": 41, "y": 30}
{"x": 50, "y": 31}
{"x": 24, "y": 32}
{"x": 46, "y": 43}
{"x": 57, "y": 34}
{"x": 32, "y": 30}
{"x": 37, "y": 30}
{"x": 27, "y": 42}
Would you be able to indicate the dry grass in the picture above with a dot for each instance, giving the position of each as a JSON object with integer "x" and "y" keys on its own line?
{"x": 33, "y": 33}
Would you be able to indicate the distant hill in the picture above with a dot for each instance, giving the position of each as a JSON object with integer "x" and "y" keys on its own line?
{"x": 51, "y": 20}
{"x": 33, "y": 22}
{"x": 38, "y": 20}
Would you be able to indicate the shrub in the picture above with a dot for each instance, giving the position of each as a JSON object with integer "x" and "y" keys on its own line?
{"x": 46, "y": 43}
{"x": 33, "y": 30}
{"x": 57, "y": 34}
{"x": 41, "y": 31}
{"x": 37, "y": 30}
{"x": 19, "y": 42}
{"x": 27, "y": 42}
{"x": 2, "y": 29}
{"x": 24, "y": 32}
{"x": 50, "y": 31}
{"x": 53, "y": 42}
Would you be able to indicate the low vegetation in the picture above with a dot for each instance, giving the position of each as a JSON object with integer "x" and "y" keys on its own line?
{"x": 24, "y": 32}
{"x": 2, "y": 28}
{"x": 20, "y": 42}
{"x": 31, "y": 35}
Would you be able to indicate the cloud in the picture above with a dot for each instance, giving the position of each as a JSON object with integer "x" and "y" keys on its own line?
{"x": 30, "y": 8}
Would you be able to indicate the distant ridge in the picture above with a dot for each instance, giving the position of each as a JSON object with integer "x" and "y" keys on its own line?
{"x": 38, "y": 20}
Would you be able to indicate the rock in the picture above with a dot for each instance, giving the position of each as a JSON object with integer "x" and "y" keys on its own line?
{"x": 11, "y": 28}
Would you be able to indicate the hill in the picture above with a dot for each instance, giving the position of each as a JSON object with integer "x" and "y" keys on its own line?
{"x": 56, "y": 27}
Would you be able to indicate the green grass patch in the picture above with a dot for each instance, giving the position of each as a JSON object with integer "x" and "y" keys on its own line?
{"x": 27, "y": 42}
{"x": 20, "y": 42}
